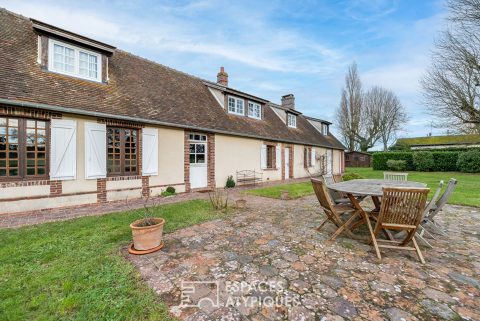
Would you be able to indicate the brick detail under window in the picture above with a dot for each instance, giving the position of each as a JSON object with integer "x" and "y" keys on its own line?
{"x": 101, "y": 190}
{"x": 55, "y": 187}
{"x": 186, "y": 161}
{"x": 211, "y": 161}
{"x": 145, "y": 186}
{"x": 14, "y": 111}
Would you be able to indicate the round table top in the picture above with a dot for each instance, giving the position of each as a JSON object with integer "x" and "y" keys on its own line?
{"x": 372, "y": 187}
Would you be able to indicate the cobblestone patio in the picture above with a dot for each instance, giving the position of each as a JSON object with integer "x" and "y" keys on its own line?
{"x": 276, "y": 242}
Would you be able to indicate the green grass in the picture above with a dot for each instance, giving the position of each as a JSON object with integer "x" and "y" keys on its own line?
{"x": 295, "y": 190}
{"x": 467, "y": 191}
{"x": 77, "y": 270}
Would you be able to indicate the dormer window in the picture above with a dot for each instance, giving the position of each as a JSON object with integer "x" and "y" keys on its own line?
{"x": 74, "y": 61}
{"x": 291, "y": 120}
{"x": 324, "y": 129}
{"x": 235, "y": 106}
{"x": 254, "y": 110}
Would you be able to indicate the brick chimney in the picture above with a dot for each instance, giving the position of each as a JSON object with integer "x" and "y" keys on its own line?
{"x": 222, "y": 77}
{"x": 288, "y": 101}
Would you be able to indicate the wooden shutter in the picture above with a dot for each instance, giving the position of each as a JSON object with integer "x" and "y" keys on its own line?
{"x": 278, "y": 157}
{"x": 149, "y": 151}
{"x": 95, "y": 150}
{"x": 312, "y": 160}
{"x": 63, "y": 149}
{"x": 263, "y": 157}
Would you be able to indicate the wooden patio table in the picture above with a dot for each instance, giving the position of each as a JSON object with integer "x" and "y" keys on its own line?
{"x": 367, "y": 187}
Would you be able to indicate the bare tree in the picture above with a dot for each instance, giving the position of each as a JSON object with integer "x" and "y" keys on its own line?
{"x": 450, "y": 84}
{"x": 369, "y": 132}
{"x": 349, "y": 112}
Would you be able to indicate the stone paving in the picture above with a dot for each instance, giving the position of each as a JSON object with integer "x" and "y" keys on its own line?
{"x": 268, "y": 262}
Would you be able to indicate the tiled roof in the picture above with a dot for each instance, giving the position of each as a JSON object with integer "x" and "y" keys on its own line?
{"x": 137, "y": 88}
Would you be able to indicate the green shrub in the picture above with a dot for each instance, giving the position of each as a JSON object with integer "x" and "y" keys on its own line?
{"x": 423, "y": 161}
{"x": 169, "y": 191}
{"x": 349, "y": 176}
{"x": 396, "y": 165}
{"x": 469, "y": 162}
{"x": 230, "y": 182}
{"x": 445, "y": 161}
{"x": 379, "y": 160}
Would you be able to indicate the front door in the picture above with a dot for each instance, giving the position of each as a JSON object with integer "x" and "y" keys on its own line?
{"x": 198, "y": 161}
{"x": 287, "y": 162}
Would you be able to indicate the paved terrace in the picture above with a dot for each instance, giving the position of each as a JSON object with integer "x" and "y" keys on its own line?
{"x": 276, "y": 241}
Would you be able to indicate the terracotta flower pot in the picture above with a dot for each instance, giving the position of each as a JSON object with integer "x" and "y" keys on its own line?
{"x": 284, "y": 195}
{"x": 147, "y": 237}
{"x": 241, "y": 203}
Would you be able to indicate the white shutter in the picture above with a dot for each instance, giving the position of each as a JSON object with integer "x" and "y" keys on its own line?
{"x": 313, "y": 157}
{"x": 63, "y": 149}
{"x": 95, "y": 150}
{"x": 150, "y": 151}
{"x": 278, "y": 157}
{"x": 263, "y": 157}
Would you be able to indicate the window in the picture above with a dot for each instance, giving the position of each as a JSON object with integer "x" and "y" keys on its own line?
{"x": 198, "y": 148}
{"x": 307, "y": 157}
{"x": 254, "y": 110}
{"x": 324, "y": 129}
{"x": 235, "y": 106}
{"x": 23, "y": 148}
{"x": 291, "y": 120}
{"x": 122, "y": 151}
{"x": 270, "y": 156}
{"x": 74, "y": 61}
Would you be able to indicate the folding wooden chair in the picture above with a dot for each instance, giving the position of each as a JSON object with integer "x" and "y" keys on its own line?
{"x": 402, "y": 209}
{"x": 392, "y": 176}
{"x": 421, "y": 229}
{"x": 428, "y": 222}
{"x": 333, "y": 211}
{"x": 337, "y": 197}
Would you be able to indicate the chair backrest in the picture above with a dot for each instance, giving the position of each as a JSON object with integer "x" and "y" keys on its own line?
{"x": 392, "y": 176}
{"x": 403, "y": 206}
{"x": 322, "y": 194}
{"x": 452, "y": 183}
{"x": 338, "y": 178}
{"x": 329, "y": 179}
{"x": 434, "y": 199}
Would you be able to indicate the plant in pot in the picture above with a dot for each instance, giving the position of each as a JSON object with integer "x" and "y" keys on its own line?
{"x": 147, "y": 232}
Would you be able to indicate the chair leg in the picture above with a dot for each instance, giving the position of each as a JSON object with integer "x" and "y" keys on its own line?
{"x": 421, "y": 238}
{"x": 419, "y": 253}
{"x": 372, "y": 235}
{"x": 323, "y": 223}
{"x": 343, "y": 227}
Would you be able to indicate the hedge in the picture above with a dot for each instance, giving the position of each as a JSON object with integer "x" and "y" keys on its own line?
{"x": 443, "y": 161}
{"x": 379, "y": 160}
{"x": 469, "y": 162}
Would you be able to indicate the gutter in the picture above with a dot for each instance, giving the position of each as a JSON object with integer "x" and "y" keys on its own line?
{"x": 145, "y": 121}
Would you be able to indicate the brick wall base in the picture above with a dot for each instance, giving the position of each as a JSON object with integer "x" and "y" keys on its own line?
{"x": 101, "y": 190}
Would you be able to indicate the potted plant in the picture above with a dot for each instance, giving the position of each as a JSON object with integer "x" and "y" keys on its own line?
{"x": 147, "y": 232}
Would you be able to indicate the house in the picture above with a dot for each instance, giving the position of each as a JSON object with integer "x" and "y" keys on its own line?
{"x": 84, "y": 122}
{"x": 357, "y": 159}
{"x": 440, "y": 142}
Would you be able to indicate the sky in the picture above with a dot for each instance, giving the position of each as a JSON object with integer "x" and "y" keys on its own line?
{"x": 271, "y": 48}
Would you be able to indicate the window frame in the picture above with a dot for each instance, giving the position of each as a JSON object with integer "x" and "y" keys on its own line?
{"x": 236, "y": 100}
{"x": 77, "y": 50}
{"x": 291, "y": 124}
{"x": 324, "y": 129}
{"x": 123, "y": 153}
{"x": 273, "y": 164}
{"x": 307, "y": 157}
{"x": 22, "y": 150}
{"x": 254, "y": 104}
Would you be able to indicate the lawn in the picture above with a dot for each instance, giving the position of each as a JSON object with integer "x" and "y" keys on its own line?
{"x": 295, "y": 190}
{"x": 467, "y": 191}
{"x": 77, "y": 270}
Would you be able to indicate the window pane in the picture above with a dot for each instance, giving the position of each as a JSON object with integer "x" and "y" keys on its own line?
{"x": 13, "y": 172}
{"x": 200, "y": 158}
{"x": 3, "y": 172}
{"x": 3, "y": 121}
{"x": 192, "y": 148}
{"x": 200, "y": 148}
{"x": 192, "y": 158}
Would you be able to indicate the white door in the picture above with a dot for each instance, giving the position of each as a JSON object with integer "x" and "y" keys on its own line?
{"x": 198, "y": 161}
{"x": 287, "y": 162}
{"x": 329, "y": 161}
